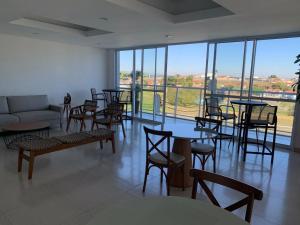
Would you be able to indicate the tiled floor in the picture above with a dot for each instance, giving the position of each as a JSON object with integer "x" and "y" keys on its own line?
{"x": 70, "y": 187}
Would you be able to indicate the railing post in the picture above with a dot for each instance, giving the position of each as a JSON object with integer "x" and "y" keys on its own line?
{"x": 200, "y": 100}
{"x": 176, "y": 102}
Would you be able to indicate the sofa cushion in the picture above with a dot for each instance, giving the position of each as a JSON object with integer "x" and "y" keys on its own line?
{"x": 44, "y": 115}
{"x": 27, "y": 103}
{"x": 7, "y": 119}
{"x": 3, "y": 105}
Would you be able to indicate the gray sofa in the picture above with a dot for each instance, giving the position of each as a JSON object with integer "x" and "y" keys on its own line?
{"x": 31, "y": 108}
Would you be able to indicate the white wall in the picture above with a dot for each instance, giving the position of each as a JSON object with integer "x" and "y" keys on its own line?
{"x": 111, "y": 68}
{"x": 30, "y": 66}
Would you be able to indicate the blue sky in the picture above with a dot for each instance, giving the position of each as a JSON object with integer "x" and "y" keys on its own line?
{"x": 272, "y": 57}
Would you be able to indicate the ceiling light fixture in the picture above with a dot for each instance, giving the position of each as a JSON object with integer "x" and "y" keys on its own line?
{"x": 103, "y": 18}
{"x": 169, "y": 36}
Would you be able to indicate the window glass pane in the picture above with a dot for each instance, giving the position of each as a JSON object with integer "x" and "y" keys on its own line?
{"x": 126, "y": 68}
{"x": 273, "y": 76}
{"x": 185, "y": 80}
{"x": 229, "y": 66}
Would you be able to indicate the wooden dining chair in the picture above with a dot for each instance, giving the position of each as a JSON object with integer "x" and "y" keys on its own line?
{"x": 252, "y": 193}
{"x": 162, "y": 158}
{"x": 112, "y": 115}
{"x": 203, "y": 151}
{"x": 82, "y": 113}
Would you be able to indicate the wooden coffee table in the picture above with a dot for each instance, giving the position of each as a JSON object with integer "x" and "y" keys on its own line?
{"x": 14, "y": 133}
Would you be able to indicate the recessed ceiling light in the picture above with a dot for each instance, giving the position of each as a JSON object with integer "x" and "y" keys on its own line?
{"x": 103, "y": 18}
{"x": 169, "y": 36}
{"x": 35, "y": 33}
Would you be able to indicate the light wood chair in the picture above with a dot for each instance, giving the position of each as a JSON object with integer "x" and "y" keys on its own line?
{"x": 203, "y": 151}
{"x": 112, "y": 115}
{"x": 82, "y": 113}
{"x": 162, "y": 159}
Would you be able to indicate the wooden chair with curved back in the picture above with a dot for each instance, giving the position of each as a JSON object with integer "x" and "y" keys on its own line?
{"x": 252, "y": 193}
{"x": 112, "y": 115}
{"x": 203, "y": 151}
{"x": 82, "y": 113}
{"x": 156, "y": 157}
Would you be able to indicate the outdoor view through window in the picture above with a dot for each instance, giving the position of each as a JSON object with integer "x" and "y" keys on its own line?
{"x": 257, "y": 69}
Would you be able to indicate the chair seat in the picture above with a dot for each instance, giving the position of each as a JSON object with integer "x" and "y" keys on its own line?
{"x": 200, "y": 148}
{"x": 159, "y": 159}
{"x": 228, "y": 116}
{"x": 225, "y": 116}
{"x": 80, "y": 116}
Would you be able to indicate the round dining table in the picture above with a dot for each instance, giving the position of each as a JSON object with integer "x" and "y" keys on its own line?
{"x": 165, "y": 211}
{"x": 183, "y": 134}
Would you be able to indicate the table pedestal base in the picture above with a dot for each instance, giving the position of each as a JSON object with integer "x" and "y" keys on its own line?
{"x": 182, "y": 147}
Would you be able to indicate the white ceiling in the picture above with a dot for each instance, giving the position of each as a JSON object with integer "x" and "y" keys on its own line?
{"x": 134, "y": 23}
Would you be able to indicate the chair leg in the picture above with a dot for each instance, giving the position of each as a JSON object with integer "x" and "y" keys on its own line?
{"x": 113, "y": 143}
{"x": 214, "y": 160}
{"x": 20, "y": 159}
{"x": 233, "y": 132}
{"x": 239, "y": 138}
{"x": 194, "y": 160}
{"x": 265, "y": 139}
{"x": 123, "y": 129}
{"x": 31, "y": 163}
{"x": 183, "y": 181}
{"x": 161, "y": 175}
{"x": 146, "y": 175}
{"x": 203, "y": 162}
{"x": 168, "y": 184}
{"x": 81, "y": 125}
{"x": 273, "y": 144}
{"x": 68, "y": 124}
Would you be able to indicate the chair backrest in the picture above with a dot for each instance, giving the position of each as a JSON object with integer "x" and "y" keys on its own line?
{"x": 265, "y": 113}
{"x": 208, "y": 123}
{"x": 211, "y": 105}
{"x": 252, "y": 193}
{"x": 126, "y": 96}
{"x": 89, "y": 105}
{"x": 93, "y": 91}
{"x": 153, "y": 146}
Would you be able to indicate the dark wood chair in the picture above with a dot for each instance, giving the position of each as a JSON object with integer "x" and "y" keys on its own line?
{"x": 126, "y": 99}
{"x": 97, "y": 96}
{"x": 82, "y": 113}
{"x": 262, "y": 118}
{"x": 252, "y": 193}
{"x": 112, "y": 115}
{"x": 162, "y": 159}
{"x": 203, "y": 151}
{"x": 221, "y": 112}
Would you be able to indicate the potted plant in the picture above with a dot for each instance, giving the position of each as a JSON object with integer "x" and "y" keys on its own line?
{"x": 296, "y": 85}
{"x": 138, "y": 88}
{"x": 296, "y": 127}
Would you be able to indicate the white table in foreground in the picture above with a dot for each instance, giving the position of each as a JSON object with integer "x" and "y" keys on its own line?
{"x": 166, "y": 211}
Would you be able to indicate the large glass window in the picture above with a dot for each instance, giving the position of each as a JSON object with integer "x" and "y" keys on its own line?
{"x": 274, "y": 75}
{"x": 186, "y": 79}
{"x": 256, "y": 69}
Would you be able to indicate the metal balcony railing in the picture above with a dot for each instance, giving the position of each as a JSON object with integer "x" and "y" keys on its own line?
{"x": 188, "y": 102}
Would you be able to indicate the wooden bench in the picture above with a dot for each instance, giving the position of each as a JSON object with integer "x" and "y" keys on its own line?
{"x": 30, "y": 149}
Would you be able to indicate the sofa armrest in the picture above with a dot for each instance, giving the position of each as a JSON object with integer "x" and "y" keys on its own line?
{"x": 55, "y": 108}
